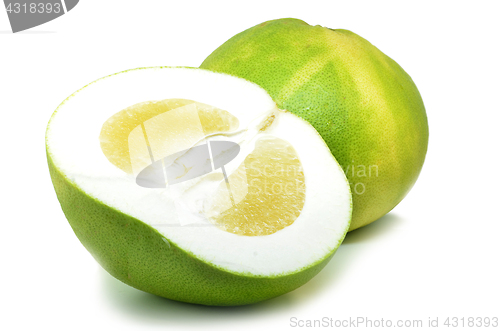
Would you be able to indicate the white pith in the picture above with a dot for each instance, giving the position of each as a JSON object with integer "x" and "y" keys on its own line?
{"x": 73, "y": 145}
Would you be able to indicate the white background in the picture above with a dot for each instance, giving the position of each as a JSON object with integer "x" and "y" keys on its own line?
{"x": 434, "y": 255}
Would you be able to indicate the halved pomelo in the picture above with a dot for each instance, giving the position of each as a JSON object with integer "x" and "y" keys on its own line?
{"x": 193, "y": 186}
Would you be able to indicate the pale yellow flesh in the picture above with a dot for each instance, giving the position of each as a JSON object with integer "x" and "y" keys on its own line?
{"x": 265, "y": 194}
{"x": 273, "y": 180}
{"x": 172, "y": 125}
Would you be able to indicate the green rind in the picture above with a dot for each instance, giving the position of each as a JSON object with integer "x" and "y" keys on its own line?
{"x": 138, "y": 255}
{"x": 363, "y": 104}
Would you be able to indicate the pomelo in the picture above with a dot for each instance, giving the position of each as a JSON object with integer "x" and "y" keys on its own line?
{"x": 194, "y": 186}
{"x": 364, "y": 105}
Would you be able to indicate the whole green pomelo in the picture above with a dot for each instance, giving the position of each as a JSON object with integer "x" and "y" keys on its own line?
{"x": 364, "y": 105}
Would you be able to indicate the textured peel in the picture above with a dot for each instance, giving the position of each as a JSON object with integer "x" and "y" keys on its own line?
{"x": 364, "y": 105}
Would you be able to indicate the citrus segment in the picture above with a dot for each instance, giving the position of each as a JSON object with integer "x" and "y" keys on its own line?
{"x": 273, "y": 180}
{"x": 131, "y": 138}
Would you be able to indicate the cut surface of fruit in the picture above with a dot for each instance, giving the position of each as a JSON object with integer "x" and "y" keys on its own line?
{"x": 194, "y": 186}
